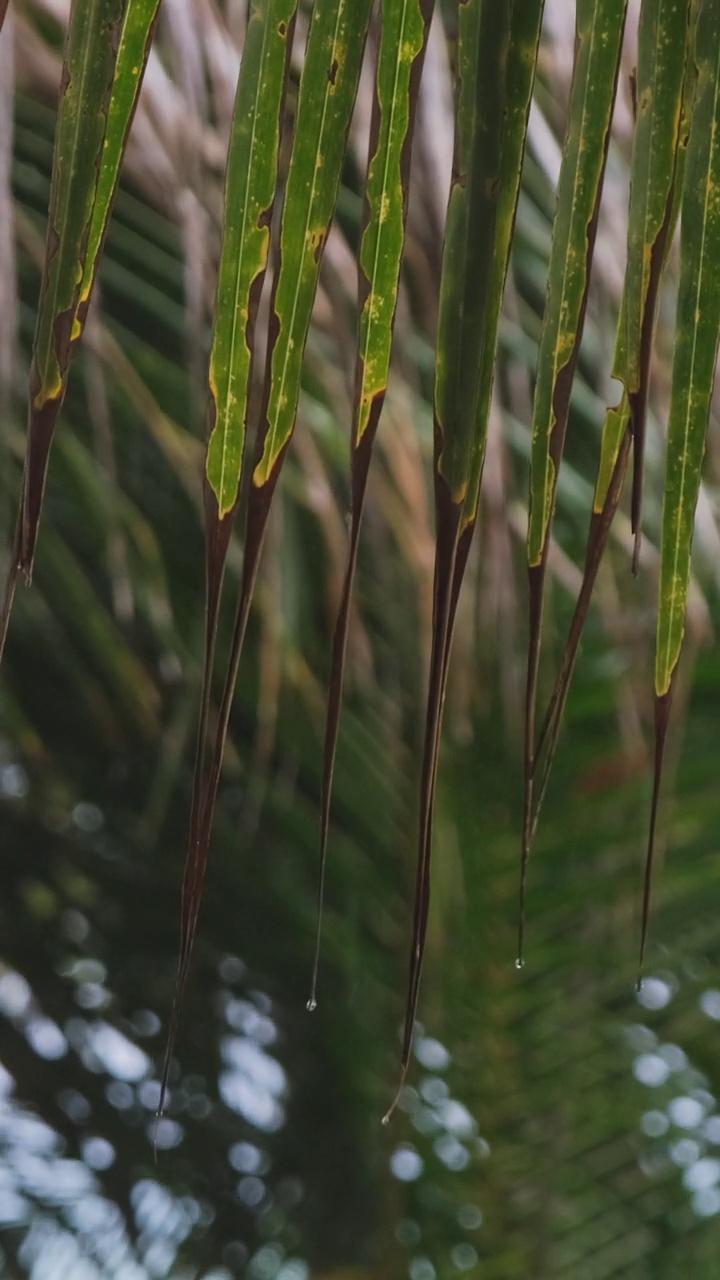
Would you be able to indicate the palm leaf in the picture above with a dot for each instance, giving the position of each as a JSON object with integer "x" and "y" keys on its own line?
{"x": 87, "y": 78}
{"x": 665, "y": 90}
{"x": 327, "y": 93}
{"x": 662, "y": 44}
{"x": 694, "y": 360}
{"x": 251, "y": 179}
{"x": 497, "y": 50}
{"x": 598, "y": 42}
{"x": 249, "y": 197}
{"x": 106, "y": 52}
{"x": 403, "y": 40}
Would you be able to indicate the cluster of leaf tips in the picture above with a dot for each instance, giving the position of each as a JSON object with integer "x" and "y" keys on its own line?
{"x": 675, "y": 172}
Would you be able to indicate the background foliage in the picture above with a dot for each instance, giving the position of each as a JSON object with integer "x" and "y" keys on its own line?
{"x": 552, "y": 1125}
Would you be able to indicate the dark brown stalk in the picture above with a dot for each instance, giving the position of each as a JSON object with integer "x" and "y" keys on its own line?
{"x": 362, "y": 454}
{"x": 205, "y": 794}
{"x": 663, "y": 707}
{"x": 600, "y": 524}
{"x": 452, "y": 549}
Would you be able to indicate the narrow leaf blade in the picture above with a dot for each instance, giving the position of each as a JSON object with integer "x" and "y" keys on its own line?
{"x": 249, "y": 197}
{"x": 403, "y": 40}
{"x": 133, "y": 48}
{"x": 696, "y": 344}
{"x": 658, "y": 162}
{"x": 497, "y": 52}
{"x": 86, "y": 85}
{"x": 599, "y": 29}
{"x": 327, "y": 94}
{"x": 599, "y": 38}
{"x": 697, "y": 334}
{"x": 662, "y": 45}
{"x": 328, "y": 88}
{"x": 250, "y": 187}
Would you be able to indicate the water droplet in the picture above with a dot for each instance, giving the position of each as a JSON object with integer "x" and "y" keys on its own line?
{"x": 519, "y": 963}
{"x": 311, "y": 1005}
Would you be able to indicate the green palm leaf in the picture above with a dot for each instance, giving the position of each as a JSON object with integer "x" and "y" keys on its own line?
{"x": 662, "y": 44}
{"x": 403, "y": 40}
{"x": 697, "y": 334}
{"x": 136, "y": 34}
{"x": 106, "y": 52}
{"x": 327, "y": 95}
{"x": 497, "y": 51}
{"x": 665, "y": 89}
{"x": 599, "y": 28}
{"x": 86, "y": 84}
{"x": 249, "y": 197}
{"x": 328, "y": 89}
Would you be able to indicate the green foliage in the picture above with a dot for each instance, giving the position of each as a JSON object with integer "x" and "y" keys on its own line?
{"x": 252, "y": 166}
{"x": 497, "y": 54}
{"x": 86, "y": 86}
{"x": 106, "y": 52}
{"x": 696, "y": 346}
{"x": 403, "y": 41}
{"x": 678, "y": 88}
{"x": 599, "y": 37}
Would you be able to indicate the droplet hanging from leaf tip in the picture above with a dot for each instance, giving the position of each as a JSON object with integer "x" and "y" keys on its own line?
{"x": 391, "y": 1109}
{"x": 520, "y": 955}
{"x": 393, "y": 1105}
